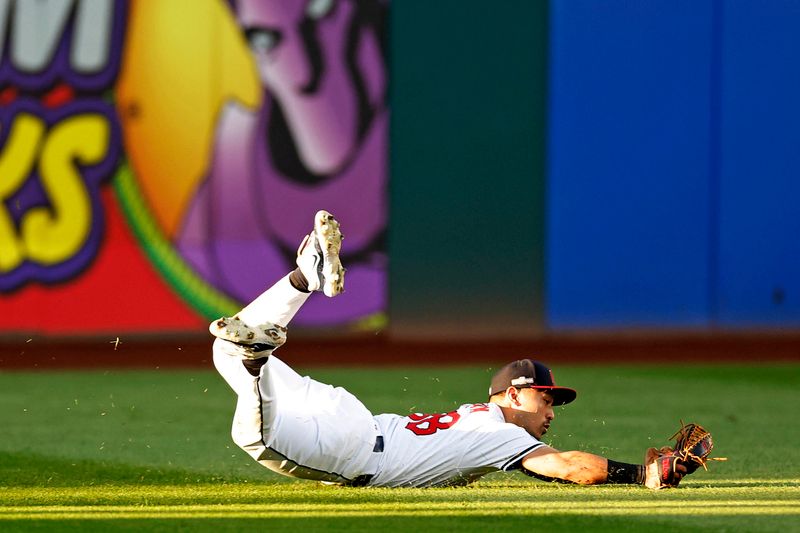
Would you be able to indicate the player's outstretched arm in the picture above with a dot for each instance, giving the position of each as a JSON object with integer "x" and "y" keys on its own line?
{"x": 589, "y": 469}
{"x": 574, "y": 466}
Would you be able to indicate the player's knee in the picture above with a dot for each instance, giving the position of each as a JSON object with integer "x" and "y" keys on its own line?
{"x": 247, "y": 440}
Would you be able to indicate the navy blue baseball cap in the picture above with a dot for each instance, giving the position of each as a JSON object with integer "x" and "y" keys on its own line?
{"x": 530, "y": 374}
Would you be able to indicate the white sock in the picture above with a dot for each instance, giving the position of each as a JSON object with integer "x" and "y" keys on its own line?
{"x": 278, "y": 305}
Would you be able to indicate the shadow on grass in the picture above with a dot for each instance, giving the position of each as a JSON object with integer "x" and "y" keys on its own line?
{"x": 481, "y": 523}
{"x": 745, "y": 483}
{"x": 33, "y": 470}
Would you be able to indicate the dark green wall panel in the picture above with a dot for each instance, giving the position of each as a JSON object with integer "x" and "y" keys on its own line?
{"x": 467, "y": 167}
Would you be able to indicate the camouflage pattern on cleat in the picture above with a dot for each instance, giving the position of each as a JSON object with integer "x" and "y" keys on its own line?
{"x": 318, "y": 256}
{"x": 234, "y": 330}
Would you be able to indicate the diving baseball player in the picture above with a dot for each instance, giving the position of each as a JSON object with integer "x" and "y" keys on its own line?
{"x": 302, "y": 428}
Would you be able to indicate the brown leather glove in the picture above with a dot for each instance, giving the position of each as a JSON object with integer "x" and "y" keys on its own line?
{"x": 693, "y": 444}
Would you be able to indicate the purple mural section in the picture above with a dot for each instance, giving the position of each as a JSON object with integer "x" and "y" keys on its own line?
{"x": 319, "y": 141}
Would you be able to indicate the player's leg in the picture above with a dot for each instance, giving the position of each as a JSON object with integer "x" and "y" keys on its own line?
{"x": 260, "y": 327}
{"x": 245, "y": 340}
{"x": 249, "y": 418}
{"x": 292, "y": 424}
{"x": 308, "y": 429}
{"x": 265, "y": 319}
{"x": 295, "y": 425}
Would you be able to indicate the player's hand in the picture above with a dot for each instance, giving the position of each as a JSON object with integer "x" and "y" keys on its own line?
{"x": 663, "y": 469}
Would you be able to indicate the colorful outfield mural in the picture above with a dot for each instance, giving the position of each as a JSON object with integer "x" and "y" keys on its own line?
{"x": 161, "y": 160}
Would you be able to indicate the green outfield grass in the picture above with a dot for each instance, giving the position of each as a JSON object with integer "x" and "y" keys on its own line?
{"x": 93, "y": 451}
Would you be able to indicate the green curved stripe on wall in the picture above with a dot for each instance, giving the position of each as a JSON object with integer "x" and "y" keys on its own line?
{"x": 206, "y": 300}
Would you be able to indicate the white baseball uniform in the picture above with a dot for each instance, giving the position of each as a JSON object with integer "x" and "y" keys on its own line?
{"x": 455, "y": 448}
{"x": 302, "y": 428}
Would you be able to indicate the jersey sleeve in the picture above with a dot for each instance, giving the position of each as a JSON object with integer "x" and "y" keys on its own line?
{"x": 516, "y": 462}
{"x": 526, "y": 445}
{"x": 502, "y": 446}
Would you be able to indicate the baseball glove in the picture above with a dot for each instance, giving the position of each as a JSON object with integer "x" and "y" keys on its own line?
{"x": 663, "y": 469}
{"x": 693, "y": 444}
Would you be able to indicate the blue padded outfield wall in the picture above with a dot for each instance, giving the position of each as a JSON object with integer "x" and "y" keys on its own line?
{"x": 759, "y": 188}
{"x": 673, "y": 165}
{"x": 585, "y": 165}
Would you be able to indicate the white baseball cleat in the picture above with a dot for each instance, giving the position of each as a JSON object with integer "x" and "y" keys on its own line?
{"x": 262, "y": 338}
{"x": 318, "y": 256}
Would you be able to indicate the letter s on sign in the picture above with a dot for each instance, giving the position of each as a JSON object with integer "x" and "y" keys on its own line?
{"x": 52, "y": 235}
{"x": 16, "y": 161}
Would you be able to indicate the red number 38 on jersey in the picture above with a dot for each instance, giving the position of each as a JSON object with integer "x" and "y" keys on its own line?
{"x": 422, "y": 424}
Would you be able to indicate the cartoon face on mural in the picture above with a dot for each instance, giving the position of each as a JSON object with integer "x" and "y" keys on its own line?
{"x": 321, "y": 62}
{"x": 317, "y": 141}
{"x": 222, "y": 126}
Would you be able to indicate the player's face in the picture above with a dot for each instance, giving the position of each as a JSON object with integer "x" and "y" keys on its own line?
{"x": 537, "y": 407}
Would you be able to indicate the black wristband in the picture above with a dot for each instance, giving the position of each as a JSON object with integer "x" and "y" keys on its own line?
{"x": 625, "y": 473}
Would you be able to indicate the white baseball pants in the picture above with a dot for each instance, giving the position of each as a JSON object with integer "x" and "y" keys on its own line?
{"x": 291, "y": 424}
